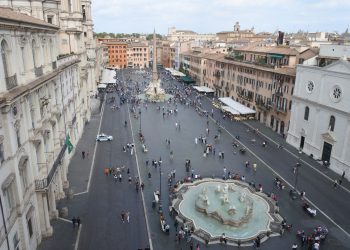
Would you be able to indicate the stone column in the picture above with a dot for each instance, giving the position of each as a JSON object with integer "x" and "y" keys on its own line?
{"x": 47, "y": 228}
{"x": 53, "y": 212}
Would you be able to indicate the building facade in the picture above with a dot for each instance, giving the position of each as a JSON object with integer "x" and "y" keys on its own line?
{"x": 320, "y": 117}
{"x": 188, "y": 35}
{"x": 138, "y": 55}
{"x": 47, "y": 71}
{"x": 260, "y": 78}
{"x": 117, "y": 52}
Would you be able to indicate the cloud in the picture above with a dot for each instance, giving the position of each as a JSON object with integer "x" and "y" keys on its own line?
{"x": 206, "y": 16}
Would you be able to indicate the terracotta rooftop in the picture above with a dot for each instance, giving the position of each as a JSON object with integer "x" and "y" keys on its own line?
{"x": 221, "y": 58}
{"x": 7, "y": 14}
{"x": 269, "y": 50}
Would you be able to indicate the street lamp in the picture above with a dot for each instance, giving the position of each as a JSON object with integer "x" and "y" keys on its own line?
{"x": 298, "y": 165}
{"x": 140, "y": 118}
{"x": 160, "y": 207}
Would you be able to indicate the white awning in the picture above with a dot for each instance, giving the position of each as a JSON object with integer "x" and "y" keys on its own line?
{"x": 203, "y": 89}
{"x": 174, "y": 72}
{"x": 229, "y": 109}
{"x": 101, "y": 86}
{"x": 108, "y": 76}
{"x": 240, "y": 108}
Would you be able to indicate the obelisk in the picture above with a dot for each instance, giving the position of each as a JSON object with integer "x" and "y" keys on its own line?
{"x": 153, "y": 91}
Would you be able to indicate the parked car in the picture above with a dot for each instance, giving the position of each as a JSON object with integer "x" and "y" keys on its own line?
{"x": 104, "y": 137}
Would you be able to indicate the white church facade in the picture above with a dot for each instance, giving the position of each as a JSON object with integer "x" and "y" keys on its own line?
{"x": 320, "y": 117}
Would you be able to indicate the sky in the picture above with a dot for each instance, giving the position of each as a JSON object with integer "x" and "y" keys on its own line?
{"x": 211, "y": 16}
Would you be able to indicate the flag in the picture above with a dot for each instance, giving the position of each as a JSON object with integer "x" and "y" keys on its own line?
{"x": 69, "y": 144}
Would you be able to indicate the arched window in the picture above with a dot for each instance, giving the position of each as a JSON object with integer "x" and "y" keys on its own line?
{"x": 331, "y": 123}
{"x": 5, "y": 58}
{"x": 306, "y": 114}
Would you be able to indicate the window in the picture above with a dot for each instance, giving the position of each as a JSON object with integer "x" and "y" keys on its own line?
{"x": 9, "y": 197}
{"x": 23, "y": 174}
{"x": 2, "y": 157}
{"x": 30, "y": 227}
{"x": 306, "y": 114}
{"x": 18, "y": 137}
{"x": 50, "y": 19}
{"x": 5, "y": 58}
{"x": 331, "y": 123}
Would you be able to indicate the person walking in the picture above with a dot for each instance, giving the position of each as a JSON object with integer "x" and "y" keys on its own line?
{"x": 83, "y": 154}
{"x": 122, "y": 215}
{"x": 74, "y": 221}
{"x": 196, "y": 140}
{"x": 254, "y": 167}
{"x": 78, "y": 221}
{"x": 127, "y": 215}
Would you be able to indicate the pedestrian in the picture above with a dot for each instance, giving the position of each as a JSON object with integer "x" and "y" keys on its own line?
{"x": 115, "y": 176}
{"x": 197, "y": 247}
{"x": 83, "y": 154}
{"x": 335, "y": 184}
{"x": 120, "y": 177}
{"x": 294, "y": 246}
{"x": 128, "y": 171}
{"x": 254, "y": 167}
{"x": 146, "y": 163}
{"x": 302, "y": 195}
{"x": 343, "y": 175}
{"x": 149, "y": 175}
{"x": 196, "y": 140}
{"x": 222, "y": 155}
{"x": 142, "y": 186}
{"x": 122, "y": 215}
{"x": 106, "y": 171}
{"x": 74, "y": 220}
{"x": 127, "y": 215}
{"x": 130, "y": 179}
{"x": 78, "y": 221}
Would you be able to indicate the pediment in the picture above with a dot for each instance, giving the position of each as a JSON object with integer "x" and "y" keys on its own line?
{"x": 341, "y": 66}
{"x": 329, "y": 137}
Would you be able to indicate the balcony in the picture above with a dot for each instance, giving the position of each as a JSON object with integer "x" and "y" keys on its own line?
{"x": 280, "y": 110}
{"x": 279, "y": 93}
{"x": 38, "y": 71}
{"x": 261, "y": 105}
{"x": 11, "y": 82}
{"x": 43, "y": 184}
{"x": 54, "y": 65}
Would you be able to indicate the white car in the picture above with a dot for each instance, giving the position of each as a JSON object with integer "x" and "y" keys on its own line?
{"x": 103, "y": 137}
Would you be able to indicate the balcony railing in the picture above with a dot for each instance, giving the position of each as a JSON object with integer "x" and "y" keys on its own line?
{"x": 279, "y": 93}
{"x": 262, "y": 105}
{"x": 44, "y": 183}
{"x": 11, "y": 82}
{"x": 54, "y": 65}
{"x": 38, "y": 71}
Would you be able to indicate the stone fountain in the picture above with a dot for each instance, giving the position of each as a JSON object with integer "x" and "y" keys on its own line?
{"x": 215, "y": 207}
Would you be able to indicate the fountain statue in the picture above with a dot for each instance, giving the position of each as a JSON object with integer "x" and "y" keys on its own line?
{"x": 225, "y": 189}
{"x": 224, "y": 199}
{"x": 231, "y": 210}
{"x": 232, "y": 188}
{"x": 218, "y": 189}
{"x": 204, "y": 197}
{"x": 242, "y": 197}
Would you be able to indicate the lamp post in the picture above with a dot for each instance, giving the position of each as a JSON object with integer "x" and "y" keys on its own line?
{"x": 140, "y": 119}
{"x": 160, "y": 207}
{"x": 297, "y": 166}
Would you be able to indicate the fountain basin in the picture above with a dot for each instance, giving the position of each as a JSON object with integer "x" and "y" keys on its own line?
{"x": 214, "y": 207}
